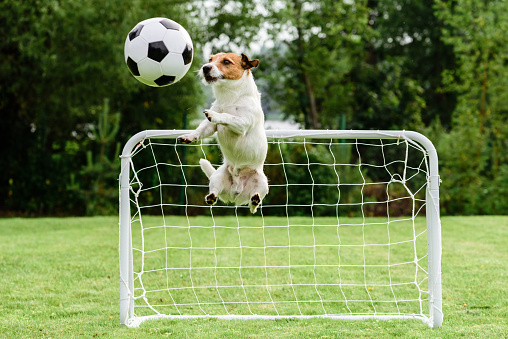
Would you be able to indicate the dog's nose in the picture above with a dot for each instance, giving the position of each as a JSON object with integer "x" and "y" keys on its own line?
{"x": 207, "y": 69}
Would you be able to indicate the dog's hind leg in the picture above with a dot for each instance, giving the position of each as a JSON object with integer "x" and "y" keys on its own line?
{"x": 258, "y": 189}
{"x": 220, "y": 181}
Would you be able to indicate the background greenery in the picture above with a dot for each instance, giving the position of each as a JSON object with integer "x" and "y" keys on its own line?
{"x": 68, "y": 102}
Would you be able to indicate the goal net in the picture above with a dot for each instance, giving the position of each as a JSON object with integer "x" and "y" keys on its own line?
{"x": 350, "y": 230}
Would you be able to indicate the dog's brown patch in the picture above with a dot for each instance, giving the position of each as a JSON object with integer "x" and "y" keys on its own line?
{"x": 233, "y": 65}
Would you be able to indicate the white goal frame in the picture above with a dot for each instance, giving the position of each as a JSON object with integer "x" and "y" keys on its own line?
{"x": 435, "y": 315}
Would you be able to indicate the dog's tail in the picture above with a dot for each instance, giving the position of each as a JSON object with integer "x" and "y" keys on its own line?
{"x": 207, "y": 167}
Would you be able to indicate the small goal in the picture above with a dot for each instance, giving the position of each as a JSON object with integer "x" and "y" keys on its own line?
{"x": 349, "y": 230}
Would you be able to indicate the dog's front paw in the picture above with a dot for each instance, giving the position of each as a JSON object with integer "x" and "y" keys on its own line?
{"x": 186, "y": 139}
{"x": 211, "y": 199}
{"x": 208, "y": 115}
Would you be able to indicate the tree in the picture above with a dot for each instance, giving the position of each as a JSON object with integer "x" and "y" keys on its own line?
{"x": 410, "y": 33}
{"x": 473, "y": 151}
{"x": 316, "y": 46}
{"x": 328, "y": 65}
{"x": 60, "y": 59}
{"x": 98, "y": 187}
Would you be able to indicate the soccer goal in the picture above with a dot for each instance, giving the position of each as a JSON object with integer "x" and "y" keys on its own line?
{"x": 349, "y": 230}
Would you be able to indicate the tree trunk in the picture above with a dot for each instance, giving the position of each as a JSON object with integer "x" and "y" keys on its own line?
{"x": 312, "y": 117}
{"x": 483, "y": 104}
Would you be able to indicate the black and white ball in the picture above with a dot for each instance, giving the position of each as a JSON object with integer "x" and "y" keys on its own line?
{"x": 158, "y": 52}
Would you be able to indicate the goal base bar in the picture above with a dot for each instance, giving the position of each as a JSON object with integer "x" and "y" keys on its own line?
{"x": 135, "y": 322}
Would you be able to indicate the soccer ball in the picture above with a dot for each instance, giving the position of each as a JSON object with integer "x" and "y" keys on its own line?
{"x": 158, "y": 52}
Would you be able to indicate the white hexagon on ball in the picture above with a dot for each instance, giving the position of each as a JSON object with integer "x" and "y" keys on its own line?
{"x": 173, "y": 65}
{"x": 153, "y": 31}
{"x": 158, "y": 52}
{"x": 149, "y": 69}
{"x": 186, "y": 35}
{"x": 138, "y": 49}
{"x": 174, "y": 41}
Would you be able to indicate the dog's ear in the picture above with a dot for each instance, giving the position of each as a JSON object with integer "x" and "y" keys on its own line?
{"x": 247, "y": 63}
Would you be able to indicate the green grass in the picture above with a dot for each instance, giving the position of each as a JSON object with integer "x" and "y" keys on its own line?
{"x": 264, "y": 278}
{"x": 59, "y": 278}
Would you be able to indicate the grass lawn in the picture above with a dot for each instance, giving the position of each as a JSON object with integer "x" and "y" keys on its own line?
{"x": 59, "y": 278}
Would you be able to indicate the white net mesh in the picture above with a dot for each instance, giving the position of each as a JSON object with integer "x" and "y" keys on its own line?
{"x": 342, "y": 232}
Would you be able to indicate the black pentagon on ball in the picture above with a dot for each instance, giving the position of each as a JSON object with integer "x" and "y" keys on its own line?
{"x": 165, "y": 80}
{"x": 135, "y": 32}
{"x": 157, "y": 50}
{"x": 133, "y": 66}
{"x": 170, "y": 24}
{"x": 187, "y": 54}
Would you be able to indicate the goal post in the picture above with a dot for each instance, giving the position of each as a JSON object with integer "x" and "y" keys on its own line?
{"x": 349, "y": 230}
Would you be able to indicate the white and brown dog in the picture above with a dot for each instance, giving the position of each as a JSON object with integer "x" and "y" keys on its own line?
{"x": 237, "y": 117}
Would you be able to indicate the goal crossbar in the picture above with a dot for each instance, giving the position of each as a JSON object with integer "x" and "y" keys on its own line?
{"x": 434, "y": 315}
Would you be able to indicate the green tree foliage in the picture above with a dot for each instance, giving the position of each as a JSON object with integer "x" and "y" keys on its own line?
{"x": 433, "y": 65}
{"x": 328, "y": 64}
{"x": 317, "y": 46}
{"x": 472, "y": 153}
{"x": 411, "y": 33}
{"x": 60, "y": 59}
{"x": 229, "y": 25}
{"x": 98, "y": 187}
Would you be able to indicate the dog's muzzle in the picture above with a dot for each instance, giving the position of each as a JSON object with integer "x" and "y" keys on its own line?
{"x": 208, "y": 74}
{"x": 207, "y": 69}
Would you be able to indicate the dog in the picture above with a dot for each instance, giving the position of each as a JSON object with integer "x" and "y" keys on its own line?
{"x": 237, "y": 117}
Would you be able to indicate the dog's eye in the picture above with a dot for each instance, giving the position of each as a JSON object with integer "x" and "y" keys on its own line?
{"x": 210, "y": 60}
{"x": 226, "y": 62}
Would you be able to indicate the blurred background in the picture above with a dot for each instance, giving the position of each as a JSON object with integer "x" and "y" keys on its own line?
{"x": 68, "y": 102}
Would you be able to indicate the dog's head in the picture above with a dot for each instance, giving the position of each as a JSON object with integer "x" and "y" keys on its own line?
{"x": 226, "y": 66}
